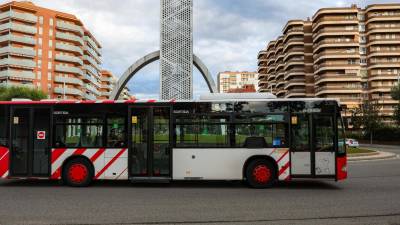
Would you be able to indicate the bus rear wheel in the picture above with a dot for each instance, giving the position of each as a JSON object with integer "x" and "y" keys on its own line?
{"x": 78, "y": 173}
{"x": 260, "y": 173}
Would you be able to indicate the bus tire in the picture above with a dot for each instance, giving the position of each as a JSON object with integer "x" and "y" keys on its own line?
{"x": 260, "y": 173}
{"x": 78, "y": 172}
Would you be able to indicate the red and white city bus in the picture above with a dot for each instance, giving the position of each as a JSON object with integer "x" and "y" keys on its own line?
{"x": 237, "y": 137}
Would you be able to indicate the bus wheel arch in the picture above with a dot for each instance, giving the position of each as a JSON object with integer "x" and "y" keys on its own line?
{"x": 261, "y": 158}
{"x": 82, "y": 169}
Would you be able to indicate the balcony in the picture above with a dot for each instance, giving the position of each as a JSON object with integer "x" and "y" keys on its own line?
{"x": 69, "y": 27}
{"x": 261, "y": 69}
{"x": 107, "y": 86}
{"x": 68, "y": 80}
{"x": 92, "y": 62}
{"x": 93, "y": 45}
{"x": 382, "y": 76}
{"x": 337, "y": 78}
{"x": 69, "y": 48}
{"x": 293, "y": 52}
{"x": 27, "y": 17}
{"x": 292, "y": 73}
{"x": 69, "y": 58}
{"x": 18, "y": 27}
{"x": 92, "y": 89}
{"x": 295, "y": 82}
{"x": 24, "y": 75}
{"x": 18, "y": 51}
{"x": 334, "y": 20}
{"x": 92, "y": 53}
{"x": 106, "y": 94}
{"x": 373, "y": 17}
{"x": 13, "y": 62}
{"x": 68, "y": 91}
{"x": 337, "y": 31}
{"x": 261, "y": 54}
{"x": 87, "y": 96}
{"x": 294, "y": 62}
{"x": 334, "y": 66}
{"x": 69, "y": 37}
{"x": 394, "y": 64}
{"x": 381, "y": 88}
{"x": 383, "y": 52}
{"x": 389, "y": 28}
{"x": 336, "y": 55}
{"x": 382, "y": 41}
{"x": 92, "y": 80}
{"x": 339, "y": 43}
{"x": 69, "y": 69}
{"x": 91, "y": 70}
{"x": 296, "y": 93}
{"x": 294, "y": 41}
{"x": 18, "y": 39}
{"x": 338, "y": 89}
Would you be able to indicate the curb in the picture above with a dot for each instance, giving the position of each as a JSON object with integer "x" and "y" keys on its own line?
{"x": 375, "y": 156}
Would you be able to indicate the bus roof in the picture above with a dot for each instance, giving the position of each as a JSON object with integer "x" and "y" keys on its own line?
{"x": 54, "y": 102}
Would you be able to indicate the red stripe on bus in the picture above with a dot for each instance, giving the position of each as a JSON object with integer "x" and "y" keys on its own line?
{"x": 79, "y": 151}
{"x": 284, "y": 168}
{"x": 151, "y": 101}
{"x": 108, "y": 101}
{"x": 110, "y": 163}
{"x": 56, "y": 153}
{"x": 57, "y": 172}
{"x": 4, "y": 161}
{"x": 97, "y": 154}
{"x": 284, "y": 154}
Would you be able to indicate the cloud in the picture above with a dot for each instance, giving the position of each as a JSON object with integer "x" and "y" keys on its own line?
{"x": 228, "y": 34}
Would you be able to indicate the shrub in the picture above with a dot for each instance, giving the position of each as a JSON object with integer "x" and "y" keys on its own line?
{"x": 7, "y": 93}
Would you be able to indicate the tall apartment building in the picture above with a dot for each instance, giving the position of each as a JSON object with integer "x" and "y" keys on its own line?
{"x": 49, "y": 50}
{"x": 108, "y": 82}
{"x": 351, "y": 54}
{"x": 229, "y": 81}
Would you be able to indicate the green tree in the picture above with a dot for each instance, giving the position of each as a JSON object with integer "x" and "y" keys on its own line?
{"x": 396, "y": 92}
{"x": 7, "y": 93}
{"x": 367, "y": 118}
{"x": 396, "y": 96}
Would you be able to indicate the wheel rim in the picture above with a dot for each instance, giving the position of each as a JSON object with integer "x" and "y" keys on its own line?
{"x": 78, "y": 173}
{"x": 261, "y": 174}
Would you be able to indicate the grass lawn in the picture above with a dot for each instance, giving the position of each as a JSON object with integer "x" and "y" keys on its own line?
{"x": 351, "y": 150}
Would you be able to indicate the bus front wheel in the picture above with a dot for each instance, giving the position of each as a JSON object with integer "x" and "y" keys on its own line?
{"x": 260, "y": 173}
{"x": 78, "y": 173}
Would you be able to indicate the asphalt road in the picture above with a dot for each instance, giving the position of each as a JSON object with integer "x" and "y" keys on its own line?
{"x": 370, "y": 196}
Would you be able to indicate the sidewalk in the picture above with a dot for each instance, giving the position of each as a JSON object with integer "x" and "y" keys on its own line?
{"x": 379, "y": 155}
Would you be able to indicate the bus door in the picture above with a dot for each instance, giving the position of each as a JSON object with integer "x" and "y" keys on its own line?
{"x": 150, "y": 143}
{"x": 30, "y": 141}
{"x": 312, "y": 145}
{"x": 323, "y": 143}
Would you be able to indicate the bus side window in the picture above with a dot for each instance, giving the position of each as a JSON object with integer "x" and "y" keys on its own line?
{"x": 116, "y": 132}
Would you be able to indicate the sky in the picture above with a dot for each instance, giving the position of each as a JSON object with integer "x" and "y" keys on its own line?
{"x": 228, "y": 34}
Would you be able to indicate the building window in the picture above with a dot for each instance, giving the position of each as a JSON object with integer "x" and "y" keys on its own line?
{"x": 51, "y": 22}
{"x": 50, "y": 54}
{"x": 41, "y": 20}
{"x": 39, "y": 52}
{"x": 50, "y": 43}
{"x": 51, "y": 32}
{"x": 49, "y": 76}
{"x": 49, "y": 65}
{"x": 40, "y": 41}
{"x": 40, "y": 30}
